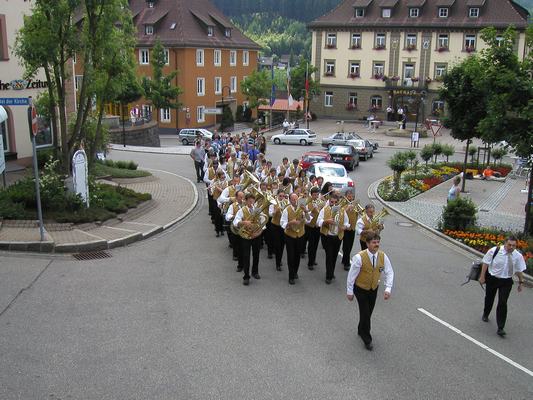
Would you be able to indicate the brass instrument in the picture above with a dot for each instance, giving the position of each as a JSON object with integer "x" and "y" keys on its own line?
{"x": 344, "y": 202}
{"x": 335, "y": 215}
{"x": 377, "y": 221}
{"x": 258, "y": 218}
{"x": 248, "y": 179}
{"x": 299, "y": 213}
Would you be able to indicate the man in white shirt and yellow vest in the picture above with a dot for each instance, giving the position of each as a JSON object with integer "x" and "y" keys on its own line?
{"x": 501, "y": 262}
{"x": 363, "y": 281}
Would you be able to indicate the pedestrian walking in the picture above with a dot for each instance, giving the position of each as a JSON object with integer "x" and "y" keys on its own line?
{"x": 198, "y": 154}
{"x": 363, "y": 281}
{"x": 499, "y": 265}
{"x": 455, "y": 190}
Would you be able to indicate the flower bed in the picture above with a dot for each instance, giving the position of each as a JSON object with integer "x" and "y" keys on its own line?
{"x": 503, "y": 169}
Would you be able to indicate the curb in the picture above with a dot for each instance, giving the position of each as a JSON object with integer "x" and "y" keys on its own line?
{"x": 373, "y": 194}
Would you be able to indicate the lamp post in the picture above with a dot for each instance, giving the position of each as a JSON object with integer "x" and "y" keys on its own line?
{"x": 223, "y": 105}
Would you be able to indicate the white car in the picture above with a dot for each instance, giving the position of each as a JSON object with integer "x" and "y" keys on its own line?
{"x": 295, "y": 136}
{"x": 334, "y": 173}
{"x": 189, "y": 136}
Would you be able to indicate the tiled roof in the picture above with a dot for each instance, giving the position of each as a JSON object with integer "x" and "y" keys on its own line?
{"x": 189, "y": 18}
{"x": 361, "y": 3}
{"x": 282, "y": 105}
{"x": 497, "y": 13}
{"x": 475, "y": 3}
{"x": 415, "y": 3}
{"x": 388, "y": 3}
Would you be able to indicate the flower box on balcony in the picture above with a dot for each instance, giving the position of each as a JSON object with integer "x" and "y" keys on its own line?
{"x": 414, "y": 79}
{"x": 351, "y": 107}
{"x": 395, "y": 78}
{"x": 384, "y": 78}
{"x": 410, "y": 47}
{"x": 328, "y": 73}
{"x": 355, "y": 46}
{"x": 442, "y": 49}
{"x": 379, "y": 47}
{"x": 378, "y": 76}
{"x": 428, "y": 79}
{"x": 354, "y": 75}
{"x": 470, "y": 49}
{"x": 439, "y": 78}
{"x": 331, "y": 46}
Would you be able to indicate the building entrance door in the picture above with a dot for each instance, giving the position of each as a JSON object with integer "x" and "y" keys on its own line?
{"x": 408, "y": 103}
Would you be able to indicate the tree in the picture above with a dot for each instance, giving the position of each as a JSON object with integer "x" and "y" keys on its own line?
{"x": 227, "y": 119}
{"x": 398, "y": 164}
{"x": 437, "y": 150}
{"x": 257, "y": 87}
{"x": 159, "y": 90}
{"x": 411, "y": 156}
{"x": 448, "y": 150}
{"x": 426, "y": 153}
{"x": 298, "y": 79}
{"x": 472, "y": 152}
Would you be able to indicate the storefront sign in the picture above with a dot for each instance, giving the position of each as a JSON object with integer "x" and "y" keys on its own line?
{"x": 80, "y": 175}
{"x": 14, "y": 101}
{"x": 216, "y": 111}
{"x": 23, "y": 84}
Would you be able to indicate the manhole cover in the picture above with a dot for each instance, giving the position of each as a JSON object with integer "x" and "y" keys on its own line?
{"x": 405, "y": 224}
{"x": 91, "y": 255}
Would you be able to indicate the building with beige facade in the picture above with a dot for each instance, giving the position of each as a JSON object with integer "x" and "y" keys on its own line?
{"x": 375, "y": 54}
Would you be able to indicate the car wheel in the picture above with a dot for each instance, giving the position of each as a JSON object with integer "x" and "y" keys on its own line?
{"x": 277, "y": 141}
{"x": 303, "y": 142}
{"x": 185, "y": 142}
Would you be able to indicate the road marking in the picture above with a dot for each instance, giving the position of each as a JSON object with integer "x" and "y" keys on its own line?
{"x": 476, "y": 342}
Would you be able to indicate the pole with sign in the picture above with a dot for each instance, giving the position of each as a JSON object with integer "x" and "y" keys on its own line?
{"x": 32, "y": 121}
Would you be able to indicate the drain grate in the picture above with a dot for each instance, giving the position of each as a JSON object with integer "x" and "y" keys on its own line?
{"x": 91, "y": 255}
{"x": 405, "y": 224}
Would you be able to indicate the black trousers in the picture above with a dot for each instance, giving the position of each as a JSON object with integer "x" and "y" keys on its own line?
{"x": 234, "y": 241}
{"x": 267, "y": 234}
{"x": 503, "y": 287}
{"x": 313, "y": 237}
{"x": 246, "y": 245}
{"x": 278, "y": 240}
{"x": 199, "y": 167}
{"x": 218, "y": 220}
{"x": 363, "y": 245}
{"x": 294, "y": 250}
{"x": 347, "y": 245}
{"x": 333, "y": 245}
{"x": 211, "y": 206}
{"x": 366, "y": 299}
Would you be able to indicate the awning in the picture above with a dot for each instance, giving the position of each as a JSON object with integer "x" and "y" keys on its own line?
{"x": 3, "y": 114}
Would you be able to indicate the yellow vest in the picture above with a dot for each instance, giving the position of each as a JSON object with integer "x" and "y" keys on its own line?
{"x": 276, "y": 217}
{"x": 369, "y": 276}
{"x": 211, "y": 173}
{"x": 314, "y": 213}
{"x": 327, "y": 215}
{"x": 353, "y": 215}
{"x": 366, "y": 222}
{"x": 294, "y": 231}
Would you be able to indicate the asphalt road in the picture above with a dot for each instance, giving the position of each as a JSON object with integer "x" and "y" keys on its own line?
{"x": 168, "y": 318}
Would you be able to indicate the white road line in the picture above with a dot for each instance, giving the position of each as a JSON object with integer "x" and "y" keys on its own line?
{"x": 476, "y": 342}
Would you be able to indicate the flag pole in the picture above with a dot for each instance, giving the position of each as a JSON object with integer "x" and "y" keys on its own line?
{"x": 306, "y": 113}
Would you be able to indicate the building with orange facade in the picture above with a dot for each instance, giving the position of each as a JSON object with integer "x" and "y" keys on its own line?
{"x": 211, "y": 55}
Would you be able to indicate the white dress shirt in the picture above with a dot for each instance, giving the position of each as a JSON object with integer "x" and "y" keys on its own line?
{"x": 278, "y": 169}
{"x": 285, "y": 217}
{"x": 355, "y": 268}
{"x": 229, "y": 213}
{"x": 224, "y": 197}
{"x": 239, "y": 216}
{"x": 333, "y": 229}
{"x": 500, "y": 267}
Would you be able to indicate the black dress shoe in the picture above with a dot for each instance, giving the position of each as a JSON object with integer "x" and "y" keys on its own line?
{"x": 328, "y": 281}
{"x": 310, "y": 267}
{"x": 315, "y": 263}
{"x": 484, "y": 318}
{"x": 218, "y": 234}
{"x": 296, "y": 276}
{"x": 346, "y": 267}
{"x": 278, "y": 268}
{"x": 501, "y": 332}
{"x": 270, "y": 256}
{"x": 369, "y": 346}
{"x": 256, "y": 276}
{"x": 235, "y": 258}
{"x": 302, "y": 255}
{"x": 246, "y": 282}
{"x": 291, "y": 282}
{"x": 222, "y": 233}
{"x": 239, "y": 269}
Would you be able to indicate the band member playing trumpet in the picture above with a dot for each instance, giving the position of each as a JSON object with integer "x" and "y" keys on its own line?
{"x": 349, "y": 233}
{"x": 278, "y": 237}
{"x": 209, "y": 176}
{"x": 293, "y": 220}
{"x": 234, "y": 238}
{"x": 333, "y": 221}
{"x": 226, "y": 198}
{"x": 250, "y": 238}
{"x": 216, "y": 188}
{"x": 366, "y": 225}
{"x": 312, "y": 231}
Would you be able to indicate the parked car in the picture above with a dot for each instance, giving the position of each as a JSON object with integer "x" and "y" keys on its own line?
{"x": 345, "y": 155}
{"x": 312, "y": 157}
{"x": 334, "y": 173}
{"x": 345, "y": 138}
{"x": 364, "y": 148}
{"x": 189, "y": 136}
{"x": 295, "y": 136}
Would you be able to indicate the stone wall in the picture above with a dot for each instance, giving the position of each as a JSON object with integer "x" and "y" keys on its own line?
{"x": 142, "y": 135}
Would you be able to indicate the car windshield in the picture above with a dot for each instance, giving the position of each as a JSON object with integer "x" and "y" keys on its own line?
{"x": 330, "y": 171}
{"x": 359, "y": 143}
{"x": 340, "y": 150}
{"x": 313, "y": 159}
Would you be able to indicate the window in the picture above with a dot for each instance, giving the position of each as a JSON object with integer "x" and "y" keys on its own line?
{"x": 200, "y": 86}
{"x": 217, "y": 57}
{"x": 379, "y": 69}
{"x": 144, "y": 56}
{"x": 443, "y": 12}
{"x": 210, "y": 31}
{"x": 77, "y": 82}
{"x": 328, "y": 99}
{"x": 331, "y": 40}
{"x": 437, "y": 107}
{"x": 146, "y": 111}
{"x": 148, "y": 29}
{"x": 227, "y": 32}
{"x": 410, "y": 41}
{"x": 443, "y": 41}
{"x": 166, "y": 55}
{"x": 44, "y": 136}
{"x": 200, "y": 57}
{"x": 173, "y": 26}
{"x": 359, "y": 12}
{"x": 352, "y": 100}
{"x": 218, "y": 85}
{"x": 232, "y": 58}
{"x": 330, "y": 68}
{"x": 380, "y": 41}
{"x": 356, "y": 41}
{"x": 376, "y": 102}
{"x": 385, "y": 13}
{"x": 200, "y": 115}
{"x": 165, "y": 115}
{"x": 470, "y": 42}
{"x": 414, "y": 12}
{"x": 233, "y": 84}
{"x": 499, "y": 40}
{"x": 473, "y": 12}
{"x": 355, "y": 69}
{"x": 245, "y": 58}
{"x": 408, "y": 70}
{"x": 150, "y": 4}
{"x": 440, "y": 70}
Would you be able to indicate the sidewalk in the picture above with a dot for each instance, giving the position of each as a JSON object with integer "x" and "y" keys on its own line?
{"x": 173, "y": 198}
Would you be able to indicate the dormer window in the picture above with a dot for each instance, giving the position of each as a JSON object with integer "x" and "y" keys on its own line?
{"x": 227, "y": 32}
{"x": 414, "y": 12}
{"x": 359, "y": 12}
{"x": 210, "y": 31}
{"x": 386, "y": 13}
{"x": 148, "y": 29}
{"x": 150, "y": 4}
{"x": 473, "y": 12}
{"x": 443, "y": 12}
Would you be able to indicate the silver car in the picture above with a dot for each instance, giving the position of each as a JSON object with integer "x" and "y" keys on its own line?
{"x": 345, "y": 139}
{"x": 364, "y": 148}
{"x": 189, "y": 136}
{"x": 295, "y": 136}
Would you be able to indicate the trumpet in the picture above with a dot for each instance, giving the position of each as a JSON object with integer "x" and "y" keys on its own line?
{"x": 377, "y": 222}
{"x": 300, "y": 212}
{"x": 344, "y": 202}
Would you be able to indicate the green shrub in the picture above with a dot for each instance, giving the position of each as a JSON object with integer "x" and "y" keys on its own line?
{"x": 426, "y": 153}
{"x": 458, "y": 214}
{"x": 43, "y": 156}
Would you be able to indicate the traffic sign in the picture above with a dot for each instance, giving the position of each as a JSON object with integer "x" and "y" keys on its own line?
{"x": 34, "y": 124}
{"x": 14, "y": 101}
{"x": 216, "y": 111}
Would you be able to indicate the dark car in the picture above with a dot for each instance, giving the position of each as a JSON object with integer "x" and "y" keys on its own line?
{"x": 345, "y": 155}
{"x": 312, "y": 157}
{"x": 364, "y": 148}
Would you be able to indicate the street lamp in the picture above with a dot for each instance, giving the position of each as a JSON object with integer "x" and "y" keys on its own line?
{"x": 223, "y": 105}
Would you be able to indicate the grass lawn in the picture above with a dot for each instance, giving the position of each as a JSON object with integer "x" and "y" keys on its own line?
{"x": 99, "y": 169}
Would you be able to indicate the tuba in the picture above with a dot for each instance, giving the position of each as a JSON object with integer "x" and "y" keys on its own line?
{"x": 258, "y": 218}
{"x": 377, "y": 221}
{"x": 248, "y": 179}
